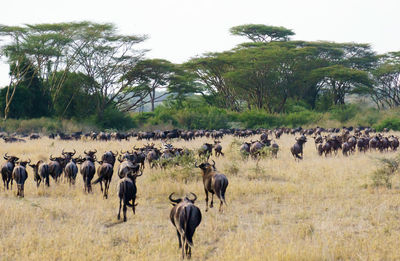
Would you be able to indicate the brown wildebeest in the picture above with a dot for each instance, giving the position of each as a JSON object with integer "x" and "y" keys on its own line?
{"x": 127, "y": 192}
{"x": 41, "y": 172}
{"x": 214, "y": 182}
{"x": 7, "y": 169}
{"x": 20, "y": 175}
{"x": 206, "y": 150}
{"x": 218, "y": 148}
{"x": 105, "y": 173}
{"x": 297, "y": 148}
{"x": 186, "y": 217}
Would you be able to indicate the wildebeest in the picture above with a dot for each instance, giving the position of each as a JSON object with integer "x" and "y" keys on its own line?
{"x": 205, "y": 150}
{"x": 88, "y": 170}
{"x": 71, "y": 170}
{"x": 104, "y": 173}
{"x": 218, "y": 149}
{"x": 186, "y": 217}
{"x": 20, "y": 175}
{"x": 127, "y": 192}
{"x": 214, "y": 182}
{"x": 109, "y": 157}
{"x": 297, "y": 148}
{"x": 56, "y": 166}
{"x": 41, "y": 173}
{"x": 7, "y": 169}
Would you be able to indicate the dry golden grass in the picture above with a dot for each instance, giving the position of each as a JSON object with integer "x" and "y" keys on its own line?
{"x": 316, "y": 209}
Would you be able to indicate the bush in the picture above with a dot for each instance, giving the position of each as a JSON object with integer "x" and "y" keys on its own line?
{"x": 391, "y": 123}
{"x": 344, "y": 113}
{"x": 114, "y": 119}
{"x": 383, "y": 175}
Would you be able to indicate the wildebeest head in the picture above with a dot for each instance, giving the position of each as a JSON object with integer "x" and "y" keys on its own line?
{"x": 206, "y": 166}
{"x": 24, "y": 162}
{"x": 68, "y": 155}
{"x": 90, "y": 153}
{"x": 10, "y": 158}
{"x": 174, "y": 202}
{"x": 302, "y": 139}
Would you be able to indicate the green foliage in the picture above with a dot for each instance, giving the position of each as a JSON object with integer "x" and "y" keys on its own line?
{"x": 114, "y": 119}
{"x": 391, "y": 123}
{"x": 344, "y": 113}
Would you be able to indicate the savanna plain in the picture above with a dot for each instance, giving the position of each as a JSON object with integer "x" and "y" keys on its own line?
{"x": 278, "y": 209}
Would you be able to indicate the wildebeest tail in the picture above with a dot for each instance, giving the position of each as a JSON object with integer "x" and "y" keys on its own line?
{"x": 189, "y": 228}
{"x": 224, "y": 185}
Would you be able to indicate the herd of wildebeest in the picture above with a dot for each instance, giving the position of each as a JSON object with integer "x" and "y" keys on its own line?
{"x": 185, "y": 216}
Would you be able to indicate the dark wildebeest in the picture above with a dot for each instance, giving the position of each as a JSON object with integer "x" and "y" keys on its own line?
{"x": 346, "y": 148}
{"x": 274, "y": 149}
{"x": 105, "y": 173}
{"x": 41, "y": 172}
{"x": 218, "y": 149}
{"x": 214, "y": 182}
{"x": 127, "y": 192}
{"x": 7, "y": 169}
{"x": 20, "y": 175}
{"x": 88, "y": 169}
{"x": 71, "y": 170}
{"x": 297, "y": 148}
{"x": 186, "y": 217}
{"x": 206, "y": 150}
{"x": 56, "y": 166}
{"x": 109, "y": 157}
{"x": 245, "y": 148}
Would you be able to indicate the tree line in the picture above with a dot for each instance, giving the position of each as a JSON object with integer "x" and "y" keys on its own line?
{"x": 86, "y": 70}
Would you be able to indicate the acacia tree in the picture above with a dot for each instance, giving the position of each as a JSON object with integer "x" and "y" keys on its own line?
{"x": 341, "y": 81}
{"x": 210, "y": 71}
{"x": 386, "y": 91}
{"x": 152, "y": 77}
{"x": 262, "y": 33}
{"x": 106, "y": 56}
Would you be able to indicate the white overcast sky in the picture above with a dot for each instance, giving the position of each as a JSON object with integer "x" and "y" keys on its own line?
{"x": 180, "y": 29}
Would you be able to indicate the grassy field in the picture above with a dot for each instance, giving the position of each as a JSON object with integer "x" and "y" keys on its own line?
{"x": 278, "y": 209}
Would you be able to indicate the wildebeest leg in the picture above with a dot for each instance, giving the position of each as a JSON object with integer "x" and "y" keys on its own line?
{"x": 189, "y": 254}
{"x": 124, "y": 211}
{"x": 101, "y": 186}
{"x": 179, "y": 238}
{"x": 206, "y": 199}
{"x": 212, "y": 200}
{"x": 187, "y": 247}
{"x": 119, "y": 211}
{"x": 105, "y": 189}
{"x": 183, "y": 247}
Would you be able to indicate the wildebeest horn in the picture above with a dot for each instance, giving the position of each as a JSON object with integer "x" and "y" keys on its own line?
{"x": 195, "y": 164}
{"x": 214, "y": 163}
{"x": 63, "y": 153}
{"x": 194, "y": 195}
{"x": 94, "y": 151}
{"x": 134, "y": 147}
{"x": 6, "y": 157}
{"x": 74, "y": 152}
{"x": 29, "y": 161}
{"x": 85, "y": 152}
{"x": 173, "y": 200}
{"x": 51, "y": 157}
{"x": 115, "y": 154}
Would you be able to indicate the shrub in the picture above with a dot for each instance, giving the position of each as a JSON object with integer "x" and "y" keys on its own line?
{"x": 392, "y": 123}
